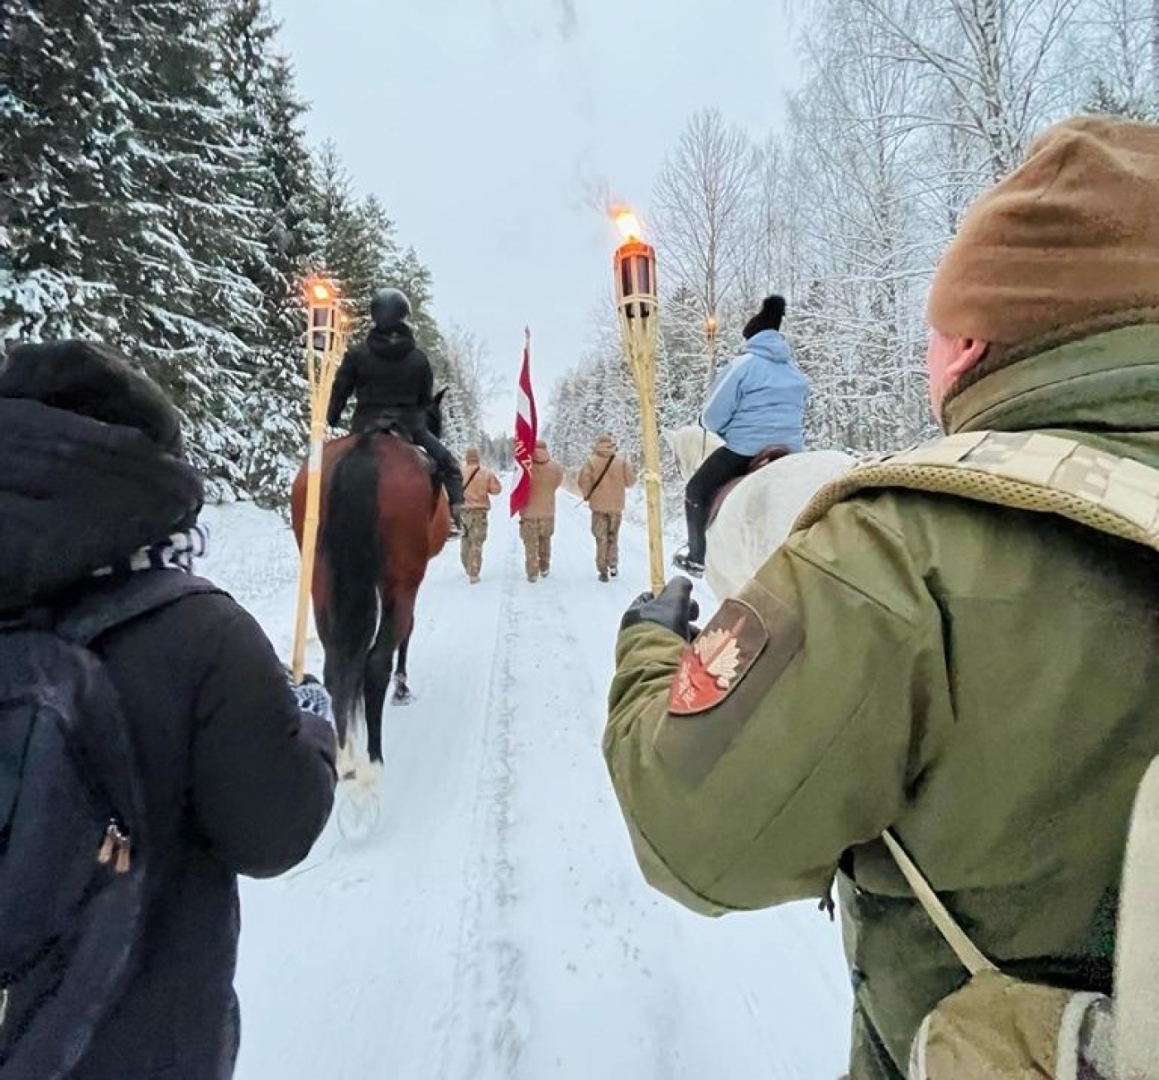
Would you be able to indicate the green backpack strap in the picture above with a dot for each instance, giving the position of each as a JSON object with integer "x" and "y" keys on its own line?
{"x": 1023, "y": 470}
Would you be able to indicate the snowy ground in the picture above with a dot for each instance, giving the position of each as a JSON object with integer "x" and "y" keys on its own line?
{"x": 492, "y": 923}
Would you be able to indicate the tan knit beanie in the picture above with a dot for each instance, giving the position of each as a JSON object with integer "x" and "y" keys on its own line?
{"x": 1068, "y": 239}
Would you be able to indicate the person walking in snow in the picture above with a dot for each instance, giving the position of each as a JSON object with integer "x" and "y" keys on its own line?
{"x": 537, "y": 518}
{"x": 756, "y": 402}
{"x": 603, "y": 483}
{"x": 952, "y": 646}
{"x": 479, "y": 484}
{"x": 151, "y": 745}
{"x": 393, "y": 383}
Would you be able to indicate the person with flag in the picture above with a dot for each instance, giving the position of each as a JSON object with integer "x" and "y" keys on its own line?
{"x": 537, "y": 518}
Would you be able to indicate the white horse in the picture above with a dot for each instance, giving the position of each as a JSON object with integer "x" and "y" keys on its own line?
{"x": 756, "y": 516}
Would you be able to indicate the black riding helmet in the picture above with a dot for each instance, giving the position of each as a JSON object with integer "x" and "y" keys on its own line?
{"x": 389, "y": 308}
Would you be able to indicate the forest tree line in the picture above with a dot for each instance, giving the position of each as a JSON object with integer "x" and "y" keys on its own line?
{"x": 905, "y": 111}
{"x": 158, "y": 193}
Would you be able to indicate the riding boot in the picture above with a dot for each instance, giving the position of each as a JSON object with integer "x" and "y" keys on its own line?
{"x": 453, "y": 483}
{"x": 695, "y": 516}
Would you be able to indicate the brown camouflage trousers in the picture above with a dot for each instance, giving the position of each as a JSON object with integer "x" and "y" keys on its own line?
{"x": 536, "y": 535}
{"x": 606, "y": 530}
{"x": 474, "y": 537}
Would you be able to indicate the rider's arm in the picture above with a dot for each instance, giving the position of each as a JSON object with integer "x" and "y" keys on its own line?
{"x": 427, "y": 386}
{"x": 343, "y": 388}
{"x": 724, "y": 397}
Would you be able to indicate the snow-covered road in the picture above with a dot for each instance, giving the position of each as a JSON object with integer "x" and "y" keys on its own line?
{"x": 492, "y": 923}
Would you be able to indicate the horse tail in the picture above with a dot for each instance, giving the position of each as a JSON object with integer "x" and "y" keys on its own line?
{"x": 349, "y": 542}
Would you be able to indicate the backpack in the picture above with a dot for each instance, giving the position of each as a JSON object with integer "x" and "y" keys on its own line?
{"x": 997, "y": 1027}
{"x": 75, "y": 860}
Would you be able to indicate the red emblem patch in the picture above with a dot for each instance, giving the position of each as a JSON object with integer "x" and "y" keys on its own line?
{"x": 718, "y": 660}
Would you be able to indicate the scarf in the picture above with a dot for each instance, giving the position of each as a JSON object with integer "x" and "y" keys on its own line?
{"x": 175, "y": 552}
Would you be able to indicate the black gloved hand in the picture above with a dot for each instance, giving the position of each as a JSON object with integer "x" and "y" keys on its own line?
{"x": 311, "y": 696}
{"x": 674, "y": 609}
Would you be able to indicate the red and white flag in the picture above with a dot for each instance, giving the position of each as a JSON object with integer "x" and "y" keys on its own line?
{"x": 526, "y": 430}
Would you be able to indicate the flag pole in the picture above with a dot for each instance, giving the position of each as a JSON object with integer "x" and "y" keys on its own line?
{"x": 324, "y": 340}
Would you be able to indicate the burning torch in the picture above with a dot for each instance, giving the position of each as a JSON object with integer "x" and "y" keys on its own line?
{"x": 324, "y": 347}
{"x": 635, "y": 271}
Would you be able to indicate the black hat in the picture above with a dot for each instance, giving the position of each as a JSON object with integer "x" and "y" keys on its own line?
{"x": 389, "y": 308}
{"x": 92, "y": 380}
{"x": 768, "y": 318}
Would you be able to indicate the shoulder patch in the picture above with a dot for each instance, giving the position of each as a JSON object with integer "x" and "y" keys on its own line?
{"x": 714, "y": 665}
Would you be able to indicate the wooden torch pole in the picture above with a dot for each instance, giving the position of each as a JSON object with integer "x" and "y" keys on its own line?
{"x": 635, "y": 269}
{"x": 324, "y": 344}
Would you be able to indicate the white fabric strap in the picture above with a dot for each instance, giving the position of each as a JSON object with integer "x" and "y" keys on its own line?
{"x": 1137, "y": 943}
{"x": 966, "y": 951}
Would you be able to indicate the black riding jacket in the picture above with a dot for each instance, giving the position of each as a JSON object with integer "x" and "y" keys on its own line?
{"x": 389, "y": 375}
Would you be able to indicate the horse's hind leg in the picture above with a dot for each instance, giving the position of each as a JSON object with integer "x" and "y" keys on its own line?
{"x": 402, "y": 694}
{"x": 378, "y": 662}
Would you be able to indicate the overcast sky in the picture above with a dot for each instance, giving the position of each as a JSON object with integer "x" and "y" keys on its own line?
{"x": 485, "y": 125}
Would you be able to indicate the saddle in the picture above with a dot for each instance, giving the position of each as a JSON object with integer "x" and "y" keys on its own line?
{"x": 391, "y": 425}
{"x": 762, "y": 458}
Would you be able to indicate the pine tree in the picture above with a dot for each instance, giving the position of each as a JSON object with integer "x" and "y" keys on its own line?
{"x": 357, "y": 238}
{"x": 66, "y": 158}
{"x": 178, "y": 250}
{"x": 261, "y": 87}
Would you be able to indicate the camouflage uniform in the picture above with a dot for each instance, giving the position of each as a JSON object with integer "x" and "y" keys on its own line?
{"x": 474, "y": 537}
{"x": 479, "y": 485}
{"x": 537, "y": 518}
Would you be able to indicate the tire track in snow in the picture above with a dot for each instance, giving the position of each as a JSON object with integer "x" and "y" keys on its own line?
{"x": 488, "y": 998}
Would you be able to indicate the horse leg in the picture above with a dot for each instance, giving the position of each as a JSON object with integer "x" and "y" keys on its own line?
{"x": 378, "y": 662}
{"x": 402, "y": 694}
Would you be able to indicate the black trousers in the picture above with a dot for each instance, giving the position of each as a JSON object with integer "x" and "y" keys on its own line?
{"x": 715, "y": 471}
{"x": 446, "y": 464}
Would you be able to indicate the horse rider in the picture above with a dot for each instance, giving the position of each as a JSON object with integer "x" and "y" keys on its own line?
{"x": 756, "y": 402}
{"x": 393, "y": 384}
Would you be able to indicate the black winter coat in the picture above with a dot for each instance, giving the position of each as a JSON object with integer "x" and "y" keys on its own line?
{"x": 388, "y": 374}
{"x": 237, "y": 780}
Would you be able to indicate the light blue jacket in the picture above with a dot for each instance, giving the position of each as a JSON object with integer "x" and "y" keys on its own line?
{"x": 759, "y": 399}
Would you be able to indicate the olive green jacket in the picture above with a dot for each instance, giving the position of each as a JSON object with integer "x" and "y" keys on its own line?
{"x": 981, "y": 679}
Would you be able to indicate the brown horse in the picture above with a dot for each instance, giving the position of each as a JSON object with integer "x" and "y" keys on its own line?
{"x": 382, "y": 519}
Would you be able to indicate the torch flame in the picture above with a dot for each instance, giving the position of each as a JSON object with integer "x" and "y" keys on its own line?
{"x": 320, "y": 292}
{"x": 628, "y": 223}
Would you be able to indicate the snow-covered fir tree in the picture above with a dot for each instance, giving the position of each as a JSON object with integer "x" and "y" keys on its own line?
{"x": 68, "y": 157}
{"x": 261, "y": 84}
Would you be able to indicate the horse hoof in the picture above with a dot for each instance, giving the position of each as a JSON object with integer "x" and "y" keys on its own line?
{"x": 369, "y": 774}
{"x": 402, "y": 697}
{"x": 346, "y": 764}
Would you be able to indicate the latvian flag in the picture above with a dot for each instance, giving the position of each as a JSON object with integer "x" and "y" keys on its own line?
{"x": 526, "y": 430}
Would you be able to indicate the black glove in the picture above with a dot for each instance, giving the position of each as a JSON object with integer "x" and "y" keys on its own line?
{"x": 674, "y": 609}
